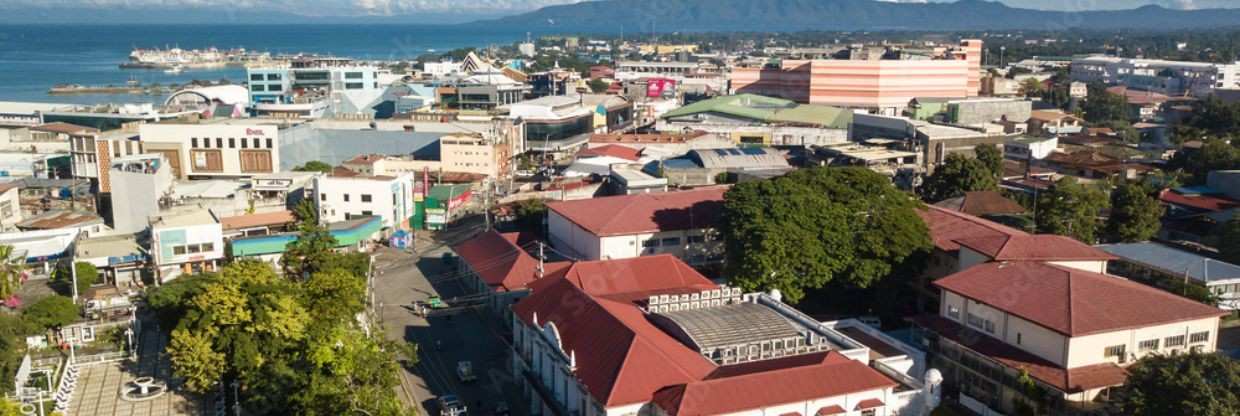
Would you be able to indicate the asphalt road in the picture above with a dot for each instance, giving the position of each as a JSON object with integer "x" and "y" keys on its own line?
{"x": 446, "y": 337}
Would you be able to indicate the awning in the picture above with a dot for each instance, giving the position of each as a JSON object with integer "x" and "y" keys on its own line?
{"x": 834, "y": 409}
{"x": 869, "y": 404}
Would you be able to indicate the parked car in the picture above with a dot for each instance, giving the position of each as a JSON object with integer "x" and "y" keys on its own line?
{"x": 465, "y": 371}
{"x": 450, "y": 405}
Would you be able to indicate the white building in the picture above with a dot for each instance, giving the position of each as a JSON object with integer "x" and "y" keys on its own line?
{"x": 609, "y": 339}
{"x": 92, "y": 153}
{"x": 440, "y": 69}
{"x": 316, "y": 87}
{"x": 1162, "y": 76}
{"x": 340, "y": 198}
{"x": 214, "y": 150}
{"x": 1027, "y": 147}
{"x": 186, "y": 243}
{"x": 139, "y": 184}
{"x": 617, "y": 227}
{"x": 10, "y": 205}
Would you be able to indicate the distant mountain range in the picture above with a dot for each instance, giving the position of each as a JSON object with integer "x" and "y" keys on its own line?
{"x": 850, "y": 15}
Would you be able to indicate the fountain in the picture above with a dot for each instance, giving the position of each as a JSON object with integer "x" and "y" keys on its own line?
{"x": 142, "y": 389}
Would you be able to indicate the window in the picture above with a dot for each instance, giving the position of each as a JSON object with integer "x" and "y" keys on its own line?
{"x": 232, "y": 143}
{"x": 1114, "y": 351}
{"x": 322, "y": 197}
{"x": 368, "y": 213}
{"x": 206, "y": 142}
{"x": 869, "y": 412}
{"x": 651, "y": 243}
{"x": 1149, "y": 344}
{"x": 953, "y": 311}
{"x": 194, "y": 248}
{"x": 353, "y": 85}
{"x": 193, "y": 142}
{"x": 244, "y": 143}
{"x": 353, "y": 75}
{"x": 275, "y": 88}
{"x": 258, "y": 87}
{"x": 178, "y": 250}
{"x": 1176, "y": 341}
{"x": 365, "y": 197}
{"x": 273, "y": 77}
{"x": 1198, "y": 337}
{"x": 268, "y": 143}
{"x": 207, "y": 247}
{"x": 207, "y": 160}
{"x": 1018, "y": 338}
{"x": 256, "y": 145}
{"x": 671, "y": 242}
{"x": 346, "y": 197}
{"x": 219, "y": 142}
{"x": 256, "y": 77}
{"x": 697, "y": 239}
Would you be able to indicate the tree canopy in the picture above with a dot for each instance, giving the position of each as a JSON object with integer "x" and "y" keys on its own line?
{"x": 1135, "y": 215}
{"x": 814, "y": 226}
{"x": 51, "y": 312}
{"x": 1103, "y": 106}
{"x": 87, "y": 275}
{"x": 992, "y": 157}
{"x": 957, "y": 175}
{"x": 1071, "y": 209}
{"x": 313, "y": 247}
{"x": 11, "y": 273}
{"x": 314, "y": 166}
{"x": 1182, "y": 384}
{"x": 1214, "y": 154}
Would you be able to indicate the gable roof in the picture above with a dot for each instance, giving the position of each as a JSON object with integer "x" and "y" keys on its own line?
{"x": 500, "y": 262}
{"x": 768, "y": 110}
{"x": 641, "y": 213}
{"x": 613, "y": 150}
{"x": 1070, "y": 301}
{"x": 1174, "y": 261}
{"x": 982, "y": 203}
{"x": 633, "y": 278}
{"x": 947, "y": 226}
{"x": 1042, "y": 247}
{"x": 835, "y": 375}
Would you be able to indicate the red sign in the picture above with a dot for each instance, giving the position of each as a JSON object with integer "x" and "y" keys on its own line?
{"x": 655, "y": 87}
{"x": 255, "y": 132}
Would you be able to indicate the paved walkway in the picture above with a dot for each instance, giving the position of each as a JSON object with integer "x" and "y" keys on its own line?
{"x": 99, "y": 386}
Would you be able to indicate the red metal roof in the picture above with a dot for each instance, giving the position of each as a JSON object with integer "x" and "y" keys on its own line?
{"x": 613, "y": 150}
{"x": 836, "y": 375}
{"x": 869, "y": 404}
{"x": 634, "y": 278}
{"x": 1201, "y": 202}
{"x": 947, "y": 226}
{"x": 1044, "y": 247}
{"x": 500, "y": 262}
{"x": 1070, "y": 301}
{"x": 644, "y": 213}
{"x": 831, "y": 410}
{"x": 1073, "y": 380}
{"x": 257, "y": 220}
{"x": 982, "y": 203}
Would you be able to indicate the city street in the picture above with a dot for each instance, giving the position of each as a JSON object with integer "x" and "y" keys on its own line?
{"x": 447, "y": 336}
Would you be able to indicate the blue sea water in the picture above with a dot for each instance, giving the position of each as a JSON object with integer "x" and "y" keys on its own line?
{"x": 33, "y": 58}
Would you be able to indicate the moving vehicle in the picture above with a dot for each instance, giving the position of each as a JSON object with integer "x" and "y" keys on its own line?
{"x": 449, "y": 405}
{"x": 465, "y": 371}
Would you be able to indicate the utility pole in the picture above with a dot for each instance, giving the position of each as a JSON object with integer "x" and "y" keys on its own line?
{"x": 541, "y": 258}
{"x": 486, "y": 202}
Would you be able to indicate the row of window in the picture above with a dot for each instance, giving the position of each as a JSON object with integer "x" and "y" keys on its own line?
{"x": 193, "y": 249}
{"x": 271, "y": 88}
{"x": 1152, "y": 344}
{"x": 345, "y": 197}
{"x": 270, "y": 77}
{"x": 257, "y": 143}
{"x": 672, "y": 241}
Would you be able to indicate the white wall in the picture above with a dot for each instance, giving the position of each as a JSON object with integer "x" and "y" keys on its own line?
{"x": 1099, "y": 267}
{"x": 1089, "y": 349}
{"x": 1034, "y": 338}
{"x": 329, "y": 196}
{"x": 182, "y": 135}
{"x": 10, "y": 208}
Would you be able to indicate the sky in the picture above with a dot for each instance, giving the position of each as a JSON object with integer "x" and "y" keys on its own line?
{"x": 463, "y": 8}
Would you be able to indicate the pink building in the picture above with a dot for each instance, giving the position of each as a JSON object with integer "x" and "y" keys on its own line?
{"x": 885, "y": 86}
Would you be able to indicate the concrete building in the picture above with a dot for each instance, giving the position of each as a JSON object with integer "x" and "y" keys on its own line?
{"x": 703, "y": 167}
{"x": 1070, "y": 331}
{"x": 980, "y": 111}
{"x": 340, "y": 198}
{"x": 315, "y": 87}
{"x": 457, "y": 153}
{"x": 662, "y": 145}
{"x": 185, "y": 243}
{"x": 1173, "y": 78}
{"x": 1028, "y": 147}
{"x": 139, "y": 184}
{"x": 10, "y": 206}
{"x": 750, "y": 119}
{"x": 650, "y": 335}
{"x": 91, "y": 154}
{"x": 617, "y": 227}
{"x": 120, "y": 259}
{"x": 881, "y": 86}
{"x": 932, "y": 142}
{"x": 214, "y": 150}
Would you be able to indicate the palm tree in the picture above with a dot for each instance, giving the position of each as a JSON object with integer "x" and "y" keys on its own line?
{"x": 12, "y": 271}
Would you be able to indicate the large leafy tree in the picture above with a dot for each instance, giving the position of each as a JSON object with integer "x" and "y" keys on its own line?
{"x": 313, "y": 247}
{"x": 957, "y": 175}
{"x": 1071, "y": 209}
{"x": 814, "y": 226}
{"x": 992, "y": 157}
{"x": 1182, "y": 384}
{"x": 51, "y": 312}
{"x": 1102, "y": 106}
{"x": 314, "y": 166}
{"x": 1135, "y": 215}
{"x": 1214, "y": 154}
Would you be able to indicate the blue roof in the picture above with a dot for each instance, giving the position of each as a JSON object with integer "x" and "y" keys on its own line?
{"x": 1174, "y": 261}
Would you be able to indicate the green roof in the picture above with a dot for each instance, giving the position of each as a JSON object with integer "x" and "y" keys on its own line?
{"x": 768, "y": 110}
{"x": 346, "y": 233}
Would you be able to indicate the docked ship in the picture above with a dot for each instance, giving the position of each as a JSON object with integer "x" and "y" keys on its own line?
{"x": 171, "y": 58}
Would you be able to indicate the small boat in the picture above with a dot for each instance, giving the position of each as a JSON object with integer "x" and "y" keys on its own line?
{"x": 175, "y": 69}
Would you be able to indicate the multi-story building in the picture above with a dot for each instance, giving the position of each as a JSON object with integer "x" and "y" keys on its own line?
{"x": 138, "y": 184}
{"x": 214, "y": 150}
{"x": 315, "y": 87}
{"x": 340, "y": 198}
{"x": 884, "y": 86}
{"x": 1172, "y": 78}
{"x": 186, "y": 242}
{"x": 458, "y": 153}
{"x": 618, "y": 227}
{"x": 1038, "y": 335}
{"x": 650, "y": 335}
{"x": 91, "y": 153}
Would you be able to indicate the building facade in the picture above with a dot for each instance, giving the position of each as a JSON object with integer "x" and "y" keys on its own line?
{"x": 186, "y": 243}
{"x": 682, "y": 224}
{"x": 341, "y": 198}
{"x": 313, "y": 88}
{"x": 1173, "y": 78}
{"x": 214, "y": 150}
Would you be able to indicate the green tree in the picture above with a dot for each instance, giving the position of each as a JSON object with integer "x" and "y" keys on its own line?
{"x": 1135, "y": 215}
{"x": 8, "y": 408}
{"x": 87, "y": 276}
{"x": 314, "y": 166}
{"x": 1071, "y": 209}
{"x": 992, "y": 157}
{"x": 530, "y": 213}
{"x": 598, "y": 86}
{"x": 195, "y": 360}
{"x": 818, "y": 225}
{"x": 1102, "y": 106}
{"x": 1181, "y": 385}
{"x": 313, "y": 247}
{"x": 12, "y": 272}
{"x": 52, "y": 312}
{"x": 1214, "y": 154}
{"x": 1030, "y": 87}
{"x": 957, "y": 175}
{"x": 1229, "y": 241}
{"x": 13, "y": 332}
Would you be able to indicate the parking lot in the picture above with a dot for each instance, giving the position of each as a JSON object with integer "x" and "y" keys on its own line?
{"x": 447, "y": 336}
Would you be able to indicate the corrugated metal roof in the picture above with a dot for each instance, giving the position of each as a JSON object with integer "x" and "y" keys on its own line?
{"x": 1173, "y": 261}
